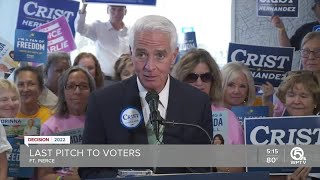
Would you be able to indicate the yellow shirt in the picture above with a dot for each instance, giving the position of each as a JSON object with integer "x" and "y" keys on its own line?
{"x": 43, "y": 114}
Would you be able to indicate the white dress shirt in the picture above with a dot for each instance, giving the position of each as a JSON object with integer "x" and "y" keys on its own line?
{"x": 163, "y": 98}
{"x": 110, "y": 43}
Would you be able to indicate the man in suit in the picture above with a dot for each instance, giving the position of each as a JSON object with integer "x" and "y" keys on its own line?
{"x": 119, "y": 114}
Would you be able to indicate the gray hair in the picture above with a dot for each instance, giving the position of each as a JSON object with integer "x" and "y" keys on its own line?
{"x": 55, "y": 57}
{"x": 154, "y": 23}
{"x": 310, "y": 36}
{"x": 62, "y": 108}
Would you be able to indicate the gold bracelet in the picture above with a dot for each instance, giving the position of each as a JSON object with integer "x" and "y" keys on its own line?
{"x": 281, "y": 29}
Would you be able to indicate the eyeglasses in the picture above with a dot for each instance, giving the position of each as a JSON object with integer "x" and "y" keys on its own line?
{"x": 193, "y": 77}
{"x": 73, "y": 87}
{"x": 306, "y": 52}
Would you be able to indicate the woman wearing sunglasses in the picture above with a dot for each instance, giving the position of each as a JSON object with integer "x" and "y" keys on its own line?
{"x": 200, "y": 70}
{"x": 238, "y": 85}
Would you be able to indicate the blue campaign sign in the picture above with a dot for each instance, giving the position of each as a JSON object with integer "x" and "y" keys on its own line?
{"x": 284, "y": 8}
{"x": 243, "y": 112}
{"x": 265, "y": 63}
{"x": 30, "y": 46}
{"x": 189, "y": 42}
{"x": 33, "y": 13}
{"x": 316, "y": 28}
{"x": 294, "y": 130}
{"x": 136, "y": 2}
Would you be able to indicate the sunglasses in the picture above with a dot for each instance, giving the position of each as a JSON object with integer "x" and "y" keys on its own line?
{"x": 193, "y": 77}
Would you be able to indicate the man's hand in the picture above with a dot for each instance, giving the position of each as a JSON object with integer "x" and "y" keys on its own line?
{"x": 83, "y": 9}
{"x": 299, "y": 174}
{"x": 277, "y": 22}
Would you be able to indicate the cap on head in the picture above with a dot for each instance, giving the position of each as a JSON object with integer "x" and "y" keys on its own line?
{"x": 316, "y": 1}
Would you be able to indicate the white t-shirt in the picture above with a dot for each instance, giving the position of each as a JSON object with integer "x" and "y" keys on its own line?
{"x": 4, "y": 144}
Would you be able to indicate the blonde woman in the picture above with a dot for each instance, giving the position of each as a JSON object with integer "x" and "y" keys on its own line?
{"x": 9, "y": 107}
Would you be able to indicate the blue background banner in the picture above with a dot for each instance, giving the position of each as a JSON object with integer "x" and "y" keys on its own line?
{"x": 37, "y": 12}
{"x": 287, "y": 9}
{"x": 258, "y": 131}
{"x": 136, "y": 2}
{"x": 30, "y": 46}
{"x": 265, "y": 63}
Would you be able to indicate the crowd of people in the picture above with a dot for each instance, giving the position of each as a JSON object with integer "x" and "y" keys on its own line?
{"x": 96, "y": 90}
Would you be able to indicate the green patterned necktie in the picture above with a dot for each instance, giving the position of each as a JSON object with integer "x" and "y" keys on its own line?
{"x": 152, "y": 139}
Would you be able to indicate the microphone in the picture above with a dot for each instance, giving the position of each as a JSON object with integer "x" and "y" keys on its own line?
{"x": 152, "y": 99}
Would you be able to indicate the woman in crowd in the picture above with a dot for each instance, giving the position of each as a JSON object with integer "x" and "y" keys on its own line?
{"x": 75, "y": 86}
{"x": 90, "y": 62}
{"x": 9, "y": 107}
{"x": 57, "y": 63}
{"x": 300, "y": 94}
{"x": 29, "y": 81}
{"x": 123, "y": 68}
{"x": 310, "y": 60}
{"x": 238, "y": 85}
{"x": 200, "y": 70}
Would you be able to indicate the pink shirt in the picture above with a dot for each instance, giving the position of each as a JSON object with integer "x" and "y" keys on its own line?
{"x": 55, "y": 124}
{"x": 235, "y": 131}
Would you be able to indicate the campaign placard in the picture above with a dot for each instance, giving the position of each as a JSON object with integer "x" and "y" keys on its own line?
{"x": 243, "y": 112}
{"x": 133, "y": 2}
{"x": 16, "y": 129}
{"x": 7, "y": 63}
{"x": 293, "y": 130}
{"x": 282, "y": 8}
{"x": 220, "y": 127}
{"x": 59, "y": 35}
{"x": 33, "y": 13}
{"x": 30, "y": 46}
{"x": 265, "y": 63}
{"x": 75, "y": 135}
{"x": 186, "y": 43}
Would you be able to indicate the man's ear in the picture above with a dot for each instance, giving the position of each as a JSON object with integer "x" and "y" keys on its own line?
{"x": 175, "y": 54}
{"x": 108, "y": 9}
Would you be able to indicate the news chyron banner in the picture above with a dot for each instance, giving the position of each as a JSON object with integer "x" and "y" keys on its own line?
{"x": 243, "y": 112}
{"x": 30, "y": 46}
{"x": 265, "y": 63}
{"x": 7, "y": 63}
{"x": 33, "y": 13}
{"x": 125, "y": 2}
{"x": 59, "y": 35}
{"x": 16, "y": 129}
{"x": 220, "y": 127}
{"x": 282, "y": 8}
{"x": 75, "y": 135}
{"x": 293, "y": 130}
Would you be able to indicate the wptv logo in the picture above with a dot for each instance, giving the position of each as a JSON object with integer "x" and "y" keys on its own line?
{"x": 297, "y": 154}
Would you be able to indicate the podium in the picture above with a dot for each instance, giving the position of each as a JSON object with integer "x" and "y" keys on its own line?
{"x": 205, "y": 176}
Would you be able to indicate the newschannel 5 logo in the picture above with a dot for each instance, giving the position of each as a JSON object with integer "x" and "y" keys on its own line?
{"x": 297, "y": 154}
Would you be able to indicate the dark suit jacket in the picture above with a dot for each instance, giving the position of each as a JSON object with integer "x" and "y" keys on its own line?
{"x": 185, "y": 104}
